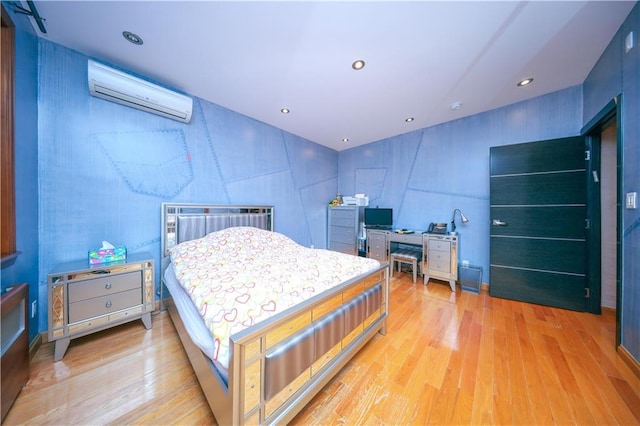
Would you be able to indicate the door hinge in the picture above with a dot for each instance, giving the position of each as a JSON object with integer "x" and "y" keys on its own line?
{"x": 587, "y": 293}
{"x": 587, "y": 224}
{"x": 587, "y": 155}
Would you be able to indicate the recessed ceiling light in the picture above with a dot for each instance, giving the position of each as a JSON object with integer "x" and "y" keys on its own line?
{"x": 409, "y": 120}
{"x": 525, "y": 82}
{"x": 133, "y": 38}
{"x": 345, "y": 139}
{"x": 358, "y": 65}
{"x": 285, "y": 110}
{"x": 456, "y": 106}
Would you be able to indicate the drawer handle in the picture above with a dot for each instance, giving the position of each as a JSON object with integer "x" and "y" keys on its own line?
{"x": 107, "y": 286}
{"x": 107, "y": 305}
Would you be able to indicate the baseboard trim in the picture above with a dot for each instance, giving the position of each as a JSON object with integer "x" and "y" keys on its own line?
{"x": 633, "y": 364}
{"x": 607, "y": 309}
{"x": 35, "y": 345}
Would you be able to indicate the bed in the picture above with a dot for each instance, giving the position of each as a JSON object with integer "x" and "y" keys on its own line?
{"x": 272, "y": 362}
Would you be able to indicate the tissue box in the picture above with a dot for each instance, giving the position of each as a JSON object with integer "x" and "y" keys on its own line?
{"x": 106, "y": 255}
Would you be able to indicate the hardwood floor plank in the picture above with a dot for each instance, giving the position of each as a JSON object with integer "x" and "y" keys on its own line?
{"x": 538, "y": 401}
{"x": 551, "y": 383}
{"x": 629, "y": 396}
{"x": 482, "y": 410}
{"x": 585, "y": 368}
{"x": 427, "y": 398}
{"x": 447, "y": 358}
{"x": 520, "y": 400}
{"x": 502, "y": 409}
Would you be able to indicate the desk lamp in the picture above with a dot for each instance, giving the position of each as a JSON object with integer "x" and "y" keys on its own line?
{"x": 453, "y": 220}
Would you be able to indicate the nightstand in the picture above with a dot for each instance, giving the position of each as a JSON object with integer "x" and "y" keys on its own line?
{"x": 442, "y": 258}
{"x": 87, "y": 298}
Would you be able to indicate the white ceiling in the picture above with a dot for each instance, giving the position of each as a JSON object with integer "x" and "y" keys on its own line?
{"x": 421, "y": 56}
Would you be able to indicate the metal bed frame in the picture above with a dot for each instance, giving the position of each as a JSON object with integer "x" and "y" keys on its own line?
{"x": 278, "y": 365}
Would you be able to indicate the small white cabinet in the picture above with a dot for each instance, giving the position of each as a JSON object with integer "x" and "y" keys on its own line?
{"x": 442, "y": 258}
{"x": 84, "y": 299}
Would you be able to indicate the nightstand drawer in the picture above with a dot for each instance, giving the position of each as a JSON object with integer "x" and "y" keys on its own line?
{"x": 440, "y": 245}
{"x": 105, "y": 304}
{"x": 438, "y": 256}
{"x": 104, "y": 285}
{"x": 439, "y": 265}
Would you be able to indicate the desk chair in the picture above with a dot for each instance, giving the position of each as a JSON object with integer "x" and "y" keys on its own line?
{"x": 405, "y": 256}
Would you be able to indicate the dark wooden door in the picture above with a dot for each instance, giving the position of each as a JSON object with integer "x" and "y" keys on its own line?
{"x": 538, "y": 218}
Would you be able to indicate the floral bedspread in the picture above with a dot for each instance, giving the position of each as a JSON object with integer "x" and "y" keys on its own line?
{"x": 242, "y": 275}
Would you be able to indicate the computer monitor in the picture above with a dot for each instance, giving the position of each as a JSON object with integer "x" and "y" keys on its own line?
{"x": 378, "y": 218}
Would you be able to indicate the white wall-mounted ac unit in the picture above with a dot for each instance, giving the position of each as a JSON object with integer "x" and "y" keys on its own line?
{"x": 116, "y": 86}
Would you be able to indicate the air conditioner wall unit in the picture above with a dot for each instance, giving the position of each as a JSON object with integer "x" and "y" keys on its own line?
{"x": 116, "y": 86}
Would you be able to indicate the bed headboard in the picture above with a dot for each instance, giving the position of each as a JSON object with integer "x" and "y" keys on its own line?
{"x": 184, "y": 222}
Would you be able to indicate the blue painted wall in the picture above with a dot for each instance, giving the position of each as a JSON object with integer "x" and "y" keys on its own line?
{"x": 617, "y": 73}
{"x": 426, "y": 174}
{"x": 105, "y": 169}
{"x": 25, "y": 268}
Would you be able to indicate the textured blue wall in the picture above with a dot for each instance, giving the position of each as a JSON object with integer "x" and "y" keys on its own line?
{"x": 426, "y": 174}
{"x": 619, "y": 72}
{"x": 25, "y": 268}
{"x": 105, "y": 169}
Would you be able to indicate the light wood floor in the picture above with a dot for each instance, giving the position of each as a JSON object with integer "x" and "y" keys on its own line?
{"x": 446, "y": 359}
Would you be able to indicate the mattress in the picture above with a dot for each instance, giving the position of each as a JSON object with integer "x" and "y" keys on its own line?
{"x": 193, "y": 322}
{"x": 239, "y": 276}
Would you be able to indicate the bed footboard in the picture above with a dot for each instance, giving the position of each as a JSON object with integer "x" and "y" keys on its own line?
{"x": 278, "y": 366}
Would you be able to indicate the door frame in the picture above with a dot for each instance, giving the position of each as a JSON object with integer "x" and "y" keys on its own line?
{"x": 592, "y": 131}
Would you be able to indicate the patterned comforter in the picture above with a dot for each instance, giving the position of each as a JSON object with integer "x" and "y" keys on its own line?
{"x": 242, "y": 275}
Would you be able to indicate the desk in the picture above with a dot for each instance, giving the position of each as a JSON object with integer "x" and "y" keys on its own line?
{"x": 380, "y": 244}
{"x": 439, "y": 252}
{"x": 407, "y": 248}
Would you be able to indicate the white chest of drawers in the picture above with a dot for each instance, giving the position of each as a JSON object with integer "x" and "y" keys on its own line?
{"x": 442, "y": 258}
{"x": 84, "y": 299}
{"x": 343, "y": 225}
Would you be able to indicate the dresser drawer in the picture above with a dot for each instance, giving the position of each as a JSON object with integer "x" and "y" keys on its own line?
{"x": 104, "y": 285}
{"x": 342, "y": 247}
{"x": 342, "y": 213}
{"x": 342, "y": 217}
{"x": 104, "y": 304}
{"x": 440, "y": 245}
{"x": 342, "y": 234}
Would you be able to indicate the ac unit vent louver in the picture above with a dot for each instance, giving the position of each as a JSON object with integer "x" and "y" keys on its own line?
{"x": 116, "y": 86}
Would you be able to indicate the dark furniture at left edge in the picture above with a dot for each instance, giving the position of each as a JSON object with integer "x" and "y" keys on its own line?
{"x": 15, "y": 344}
